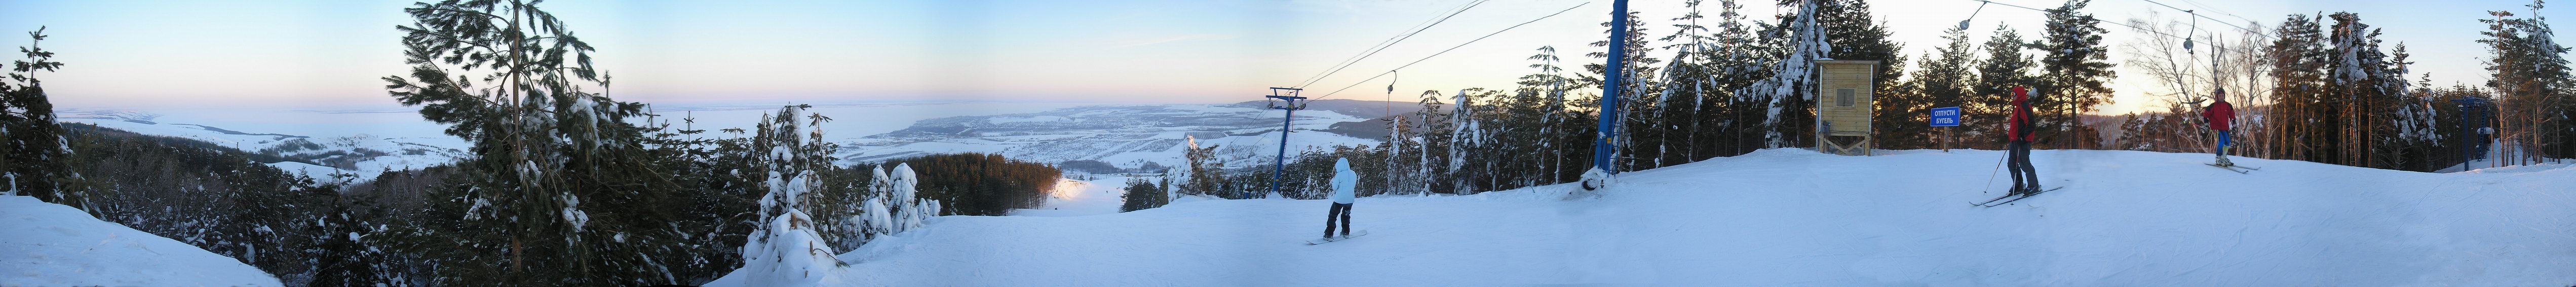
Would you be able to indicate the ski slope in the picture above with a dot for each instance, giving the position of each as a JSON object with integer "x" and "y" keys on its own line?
{"x": 1795, "y": 217}
{"x": 1102, "y": 195}
{"x": 45, "y": 244}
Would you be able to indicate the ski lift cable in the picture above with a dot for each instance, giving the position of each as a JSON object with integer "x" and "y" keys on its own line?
{"x": 2157, "y": 32}
{"x": 2206, "y": 7}
{"x": 1972, "y": 15}
{"x": 2195, "y": 14}
{"x": 1451, "y": 48}
{"x": 1390, "y": 40}
{"x": 1391, "y": 43}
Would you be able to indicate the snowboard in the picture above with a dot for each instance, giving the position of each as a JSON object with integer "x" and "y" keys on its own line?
{"x": 1354, "y": 234}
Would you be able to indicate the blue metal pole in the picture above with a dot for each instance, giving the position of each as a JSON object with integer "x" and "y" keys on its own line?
{"x": 1601, "y": 148}
{"x": 1280, "y": 168}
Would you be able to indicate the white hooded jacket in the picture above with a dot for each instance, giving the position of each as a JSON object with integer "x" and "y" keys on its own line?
{"x": 1345, "y": 182}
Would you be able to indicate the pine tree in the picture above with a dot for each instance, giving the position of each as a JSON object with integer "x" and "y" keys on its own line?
{"x": 1637, "y": 81}
{"x": 1437, "y": 133}
{"x": 2369, "y": 89}
{"x": 2298, "y": 57}
{"x": 1785, "y": 98}
{"x": 2003, "y": 68}
{"x": 1944, "y": 81}
{"x": 1739, "y": 60}
{"x": 1678, "y": 105}
{"x": 2073, "y": 76}
{"x": 34, "y": 154}
{"x": 2530, "y": 75}
{"x": 517, "y": 83}
{"x": 1140, "y": 194}
{"x": 1206, "y": 174}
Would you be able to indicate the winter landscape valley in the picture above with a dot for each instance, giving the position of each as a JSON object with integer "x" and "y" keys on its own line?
{"x": 1287, "y": 143}
{"x": 1772, "y": 217}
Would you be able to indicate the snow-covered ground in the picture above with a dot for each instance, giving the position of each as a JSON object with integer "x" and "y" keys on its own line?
{"x": 45, "y": 244}
{"x": 1102, "y": 194}
{"x": 1794, "y": 217}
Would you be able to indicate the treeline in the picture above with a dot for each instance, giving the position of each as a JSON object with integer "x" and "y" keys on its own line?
{"x": 572, "y": 187}
{"x": 567, "y": 186}
{"x": 1725, "y": 86}
{"x": 326, "y": 231}
{"x": 981, "y": 184}
{"x": 213, "y": 197}
{"x": 1712, "y": 87}
{"x": 2322, "y": 88}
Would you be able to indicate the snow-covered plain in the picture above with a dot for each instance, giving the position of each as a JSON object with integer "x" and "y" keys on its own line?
{"x": 1123, "y": 136}
{"x": 45, "y": 244}
{"x": 365, "y": 140}
{"x": 1795, "y": 217}
{"x": 357, "y": 142}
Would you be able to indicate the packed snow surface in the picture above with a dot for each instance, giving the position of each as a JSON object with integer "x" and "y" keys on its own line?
{"x": 45, "y": 244}
{"x": 1795, "y": 217}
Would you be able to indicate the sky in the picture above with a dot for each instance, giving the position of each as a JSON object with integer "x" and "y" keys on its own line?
{"x": 131, "y": 54}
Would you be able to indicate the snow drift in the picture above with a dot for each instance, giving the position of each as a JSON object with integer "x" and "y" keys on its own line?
{"x": 1794, "y": 217}
{"x": 45, "y": 244}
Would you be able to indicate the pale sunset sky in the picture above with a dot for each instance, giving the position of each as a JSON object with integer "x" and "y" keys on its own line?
{"x": 144, "y": 54}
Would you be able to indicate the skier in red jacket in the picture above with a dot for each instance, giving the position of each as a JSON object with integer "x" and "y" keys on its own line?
{"x": 2219, "y": 114}
{"x": 2025, "y": 177}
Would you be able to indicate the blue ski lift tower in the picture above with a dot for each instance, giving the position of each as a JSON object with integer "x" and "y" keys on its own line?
{"x": 1602, "y": 148}
{"x": 1280, "y": 168}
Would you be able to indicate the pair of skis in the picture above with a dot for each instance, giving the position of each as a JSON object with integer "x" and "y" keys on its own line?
{"x": 2236, "y": 168}
{"x": 2010, "y": 198}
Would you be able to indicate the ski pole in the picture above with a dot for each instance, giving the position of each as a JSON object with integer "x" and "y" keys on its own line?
{"x": 1990, "y": 173}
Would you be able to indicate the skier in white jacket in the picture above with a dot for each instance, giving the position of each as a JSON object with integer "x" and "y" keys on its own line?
{"x": 1345, "y": 183}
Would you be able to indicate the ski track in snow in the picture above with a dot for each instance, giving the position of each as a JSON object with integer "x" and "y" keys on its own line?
{"x": 1795, "y": 217}
{"x": 1082, "y": 198}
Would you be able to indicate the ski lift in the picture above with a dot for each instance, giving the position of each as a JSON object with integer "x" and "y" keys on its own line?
{"x": 1389, "y": 102}
{"x": 1290, "y": 94}
{"x": 1972, "y": 15}
{"x": 2195, "y": 30}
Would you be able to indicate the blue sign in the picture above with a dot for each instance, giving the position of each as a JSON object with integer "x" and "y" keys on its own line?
{"x": 1945, "y": 117}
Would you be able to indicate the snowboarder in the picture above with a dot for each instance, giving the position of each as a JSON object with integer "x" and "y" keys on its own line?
{"x": 1344, "y": 183}
{"x": 2025, "y": 177}
{"x": 2218, "y": 115}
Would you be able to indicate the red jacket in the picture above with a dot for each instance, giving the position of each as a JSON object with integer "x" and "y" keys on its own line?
{"x": 2014, "y": 129}
{"x": 2219, "y": 114}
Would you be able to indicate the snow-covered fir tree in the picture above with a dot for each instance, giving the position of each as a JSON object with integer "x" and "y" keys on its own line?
{"x": 787, "y": 244}
{"x": 33, "y": 151}
{"x": 895, "y": 208}
{"x": 2529, "y": 72}
{"x": 1786, "y": 92}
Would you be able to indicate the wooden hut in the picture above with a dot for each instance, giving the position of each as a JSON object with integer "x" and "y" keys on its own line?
{"x": 1844, "y": 106}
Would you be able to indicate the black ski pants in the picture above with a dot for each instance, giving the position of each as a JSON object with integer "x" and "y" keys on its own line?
{"x": 2025, "y": 177}
{"x": 1339, "y": 211}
